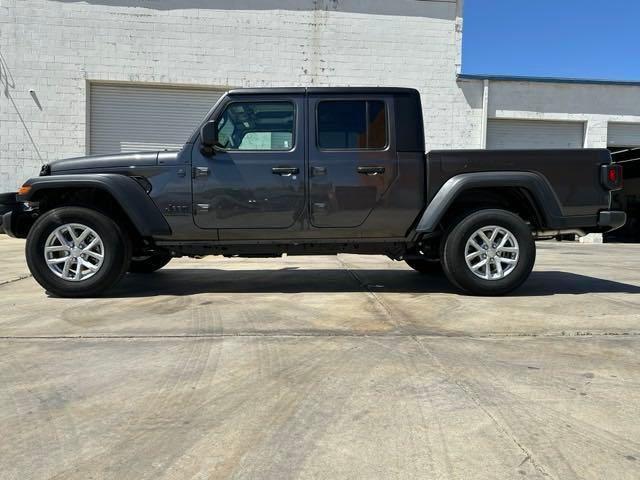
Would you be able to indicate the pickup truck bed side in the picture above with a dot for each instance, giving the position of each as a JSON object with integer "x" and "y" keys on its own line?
{"x": 572, "y": 175}
{"x": 542, "y": 173}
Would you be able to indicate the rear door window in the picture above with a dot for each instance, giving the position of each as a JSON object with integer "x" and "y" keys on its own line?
{"x": 352, "y": 125}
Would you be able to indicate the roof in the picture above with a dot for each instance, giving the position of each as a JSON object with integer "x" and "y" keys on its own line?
{"x": 330, "y": 90}
{"x": 516, "y": 78}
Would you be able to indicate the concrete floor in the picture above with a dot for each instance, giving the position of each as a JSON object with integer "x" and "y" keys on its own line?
{"x": 325, "y": 368}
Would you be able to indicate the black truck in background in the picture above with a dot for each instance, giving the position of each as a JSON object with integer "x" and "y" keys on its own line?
{"x": 309, "y": 171}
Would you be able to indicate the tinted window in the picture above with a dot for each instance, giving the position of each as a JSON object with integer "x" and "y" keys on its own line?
{"x": 352, "y": 125}
{"x": 257, "y": 126}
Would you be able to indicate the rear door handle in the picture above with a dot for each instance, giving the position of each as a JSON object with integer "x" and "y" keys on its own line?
{"x": 371, "y": 170}
{"x": 285, "y": 171}
{"x": 318, "y": 171}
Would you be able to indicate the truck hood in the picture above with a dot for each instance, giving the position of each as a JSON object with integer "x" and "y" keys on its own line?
{"x": 100, "y": 162}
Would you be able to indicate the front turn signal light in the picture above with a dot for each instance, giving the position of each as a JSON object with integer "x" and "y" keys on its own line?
{"x": 25, "y": 189}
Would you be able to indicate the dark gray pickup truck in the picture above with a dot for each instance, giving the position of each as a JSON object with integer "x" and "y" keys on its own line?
{"x": 310, "y": 171}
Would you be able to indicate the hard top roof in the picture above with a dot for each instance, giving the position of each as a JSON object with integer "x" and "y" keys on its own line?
{"x": 330, "y": 90}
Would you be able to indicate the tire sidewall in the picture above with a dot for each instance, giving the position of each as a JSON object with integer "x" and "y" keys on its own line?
{"x": 117, "y": 251}
{"x": 455, "y": 264}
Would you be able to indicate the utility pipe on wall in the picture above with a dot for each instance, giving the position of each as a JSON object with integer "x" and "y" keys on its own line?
{"x": 485, "y": 114}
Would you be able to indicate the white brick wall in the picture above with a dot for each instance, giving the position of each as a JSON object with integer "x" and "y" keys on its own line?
{"x": 56, "y": 46}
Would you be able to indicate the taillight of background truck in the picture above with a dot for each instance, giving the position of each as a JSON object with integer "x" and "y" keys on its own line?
{"x": 612, "y": 176}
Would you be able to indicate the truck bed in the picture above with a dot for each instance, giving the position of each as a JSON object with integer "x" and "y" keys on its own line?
{"x": 573, "y": 175}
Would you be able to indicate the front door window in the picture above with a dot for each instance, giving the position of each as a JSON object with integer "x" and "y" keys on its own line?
{"x": 257, "y": 126}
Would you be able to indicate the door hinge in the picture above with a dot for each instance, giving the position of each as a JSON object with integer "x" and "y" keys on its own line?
{"x": 200, "y": 172}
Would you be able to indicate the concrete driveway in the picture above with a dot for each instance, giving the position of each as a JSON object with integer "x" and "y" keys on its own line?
{"x": 325, "y": 368}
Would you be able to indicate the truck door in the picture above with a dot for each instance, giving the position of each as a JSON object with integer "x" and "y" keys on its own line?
{"x": 352, "y": 159}
{"x": 256, "y": 179}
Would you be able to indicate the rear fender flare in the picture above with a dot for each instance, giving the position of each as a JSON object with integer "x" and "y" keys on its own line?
{"x": 535, "y": 185}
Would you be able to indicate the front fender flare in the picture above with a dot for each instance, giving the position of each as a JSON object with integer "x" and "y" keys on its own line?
{"x": 131, "y": 197}
{"x": 535, "y": 184}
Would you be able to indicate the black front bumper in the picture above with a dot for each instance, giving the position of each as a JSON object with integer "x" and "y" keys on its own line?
{"x": 611, "y": 220}
{"x": 8, "y": 205}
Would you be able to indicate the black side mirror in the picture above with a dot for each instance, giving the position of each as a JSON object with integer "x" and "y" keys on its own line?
{"x": 209, "y": 134}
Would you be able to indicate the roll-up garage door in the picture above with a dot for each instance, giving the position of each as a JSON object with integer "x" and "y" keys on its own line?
{"x": 624, "y": 135}
{"x": 506, "y": 134}
{"x": 126, "y": 118}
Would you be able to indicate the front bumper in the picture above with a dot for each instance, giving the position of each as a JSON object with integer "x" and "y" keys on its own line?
{"x": 5, "y": 223}
{"x": 8, "y": 204}
{"x": 611, "y": 220}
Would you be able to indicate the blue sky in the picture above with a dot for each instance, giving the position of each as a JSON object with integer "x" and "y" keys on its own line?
{"x": 553, "y": 38}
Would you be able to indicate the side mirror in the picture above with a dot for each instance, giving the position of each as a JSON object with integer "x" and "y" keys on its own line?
{"x": 209, "y": 134}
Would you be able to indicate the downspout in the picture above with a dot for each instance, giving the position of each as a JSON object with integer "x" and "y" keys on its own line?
{"x": 459, "y": 26}
{"x": 485, "y": 114}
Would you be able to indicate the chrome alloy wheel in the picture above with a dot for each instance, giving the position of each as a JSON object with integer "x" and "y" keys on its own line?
{"x": 492, "y": 252}
{"x": 74, "y": 252}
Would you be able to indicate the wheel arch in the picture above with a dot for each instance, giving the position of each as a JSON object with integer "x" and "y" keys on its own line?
{"x": 525, "y": 193}
{"x": 108, "y": 193}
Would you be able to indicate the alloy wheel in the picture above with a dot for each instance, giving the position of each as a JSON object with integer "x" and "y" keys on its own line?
{"x": 74, "y": 252}
{"x": 492, "y": 253}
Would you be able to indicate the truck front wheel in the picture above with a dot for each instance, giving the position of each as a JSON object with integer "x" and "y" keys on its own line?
{"x": 77, "y": 252}
{"x": 490, "y": 252}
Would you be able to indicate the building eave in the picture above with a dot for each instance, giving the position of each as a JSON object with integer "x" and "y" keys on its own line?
{"x": 575, "y": 81}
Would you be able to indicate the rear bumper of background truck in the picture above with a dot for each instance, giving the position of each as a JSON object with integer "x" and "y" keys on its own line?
{"x": 609, "y": 220}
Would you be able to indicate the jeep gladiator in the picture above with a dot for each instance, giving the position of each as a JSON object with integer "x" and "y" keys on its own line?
{"x": 309, "y": 171}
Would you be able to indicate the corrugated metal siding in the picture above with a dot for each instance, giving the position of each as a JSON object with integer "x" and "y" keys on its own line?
{"x": 126, "y": 118}
{"x": 506, "y": 134}
{"x": 624, "y": 135}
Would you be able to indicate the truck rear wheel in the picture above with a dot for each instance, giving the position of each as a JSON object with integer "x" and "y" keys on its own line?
{"x": 490, "y": 252}
{"x": 77, "y": 252}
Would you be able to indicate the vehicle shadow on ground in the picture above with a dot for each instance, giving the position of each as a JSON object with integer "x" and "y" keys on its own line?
{"x": 191, "y": 281}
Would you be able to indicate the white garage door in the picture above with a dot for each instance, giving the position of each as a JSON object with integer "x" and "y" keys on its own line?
{"x": 505, "y": 134}
{"x": 126, "y": 118}
{"x": 624, "y": 135}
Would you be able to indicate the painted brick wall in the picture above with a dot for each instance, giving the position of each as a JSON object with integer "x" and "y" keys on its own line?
{"x": 54, "y": 47}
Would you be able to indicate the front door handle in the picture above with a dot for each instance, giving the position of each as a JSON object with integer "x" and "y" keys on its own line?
{"x": 200, "y": 172}
{"x": 285, "y": 171}
{"x": 371, "y": 170}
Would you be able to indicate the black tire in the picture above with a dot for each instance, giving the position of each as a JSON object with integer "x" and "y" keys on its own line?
{"x": 149, "y": 264}
{"x": 424, "y": 266}
{"x": 117, "y": 252}
{"x": 460, "y": 274}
